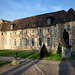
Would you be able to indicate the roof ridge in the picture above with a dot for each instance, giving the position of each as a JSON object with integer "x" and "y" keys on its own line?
{"x": 41, "y": 15}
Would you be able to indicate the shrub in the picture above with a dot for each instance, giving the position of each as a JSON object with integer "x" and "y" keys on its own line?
{"x": 59, "y": 49}
{"x": 43, "y": 52}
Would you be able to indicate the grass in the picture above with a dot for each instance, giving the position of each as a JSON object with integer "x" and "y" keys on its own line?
{"x": 30, "y": 55}
{"x": 54, "y": 56}
{"x": 73, "y": 56}
{"x": 4, "y": 63}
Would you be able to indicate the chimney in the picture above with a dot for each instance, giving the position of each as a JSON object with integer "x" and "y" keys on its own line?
{"x": 1, "y": 21}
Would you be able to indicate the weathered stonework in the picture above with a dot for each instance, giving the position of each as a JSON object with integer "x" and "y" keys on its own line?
{"x": 20, "y": 34}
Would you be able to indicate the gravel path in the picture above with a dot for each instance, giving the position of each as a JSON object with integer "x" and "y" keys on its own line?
{"x": 38, "y": 67}
{"x": 56, "y": 67}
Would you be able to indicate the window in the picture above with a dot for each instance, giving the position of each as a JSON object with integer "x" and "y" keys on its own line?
{"x": 40, "y": 41}
{"x": 10, "y": 42}
{"x": 20, "y": 42}
{"x": 48, "y": 41}
{"x": 48, "y": 21}
{"x": 32, "y": 41}
{"x": 26, "y": 31}
{"x": 5, "y": 41}
{"x": 40, "y": 31}
{"x": 48, "y": 30}
{"x": 2, "y": 33}
{"x": 15, "y": 33}
{"x": 14, "y": 42}
{"x": 32, "y": 31}
{"x": 68, "y": 27}
{"x": 10, "y": 33}
{"x": 20, "y": 32}
{"x": 11, "y": 26}
{"x": 26, "y": 42}
{"x": 6, "y": 33}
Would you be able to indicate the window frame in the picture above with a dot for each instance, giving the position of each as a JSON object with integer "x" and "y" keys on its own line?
{"x": 68, "y": 27}
{"x": 14, "y": 42}
{"x": 40, "y": 42}
{"x": 5, "y": 42}
{"x": 48, "y": 42}
{"x": 26, "y": 42}
{"x": 20, "y": 42}
{"x": 32, "y": 41}
{"x": 48, "y": 30}
{"x": 10, "y": 42}
{"x": 40, "y": 31}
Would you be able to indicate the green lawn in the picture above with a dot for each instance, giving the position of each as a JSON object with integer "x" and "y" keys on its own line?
{"x": 31, "y": 55}
{"x": 4, "y": 63}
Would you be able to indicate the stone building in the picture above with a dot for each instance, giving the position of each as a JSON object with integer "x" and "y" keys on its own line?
{"x": 30, "y": 33}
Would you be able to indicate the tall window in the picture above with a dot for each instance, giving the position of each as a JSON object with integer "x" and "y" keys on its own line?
{"x": 48, "y": 41}
{"x": 40, "y": 31}
{"x": 40, "y": 41}
{"x": 26, "y": 42}
{"x": 32, "y": 41}
{"x": 14, "y": 42}
{"x": 6, "y": 33}
{"x": 5, "y": 41}
{"x": 32, "y": 31}
{"x": 10, "y": 33}
{"x": 20, "y": 32}
{"x": 48, "y": 30}
{"x": 10, "y": 42}
{"x": 2, "y": 33}
{"x": 20, "y": 42}
{"x": 15, "y": 33}
{"x": 68, "y": 27}
{"x": 26, "y": 31}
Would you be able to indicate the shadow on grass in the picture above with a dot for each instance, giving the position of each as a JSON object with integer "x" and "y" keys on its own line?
{"x": 4, "y": 63}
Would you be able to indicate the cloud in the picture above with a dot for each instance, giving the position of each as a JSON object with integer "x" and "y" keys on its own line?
{"x": 56, "y": 8}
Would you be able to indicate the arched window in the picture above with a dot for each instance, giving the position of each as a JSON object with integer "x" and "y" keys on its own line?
{"x": 32, "y": 41}
{"x": 40, "y": 41}
{"x": 26, "y": 42}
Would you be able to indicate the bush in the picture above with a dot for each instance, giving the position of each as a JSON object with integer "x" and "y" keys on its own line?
{"x": 43, "y": 52}
{"x": 59, "y": 49}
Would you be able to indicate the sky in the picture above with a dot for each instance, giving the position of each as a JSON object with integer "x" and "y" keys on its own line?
{"x": 16, "y": 9}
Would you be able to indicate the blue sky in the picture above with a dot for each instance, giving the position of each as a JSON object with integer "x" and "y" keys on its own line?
{"x": 16, "y": 9}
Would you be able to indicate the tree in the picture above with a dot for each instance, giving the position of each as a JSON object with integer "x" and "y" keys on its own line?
{"x": 59, "y": 49}
{"x": 43, "y": 52}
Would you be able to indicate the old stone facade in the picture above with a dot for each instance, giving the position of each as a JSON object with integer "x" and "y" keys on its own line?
{"x": 32, "y": 32}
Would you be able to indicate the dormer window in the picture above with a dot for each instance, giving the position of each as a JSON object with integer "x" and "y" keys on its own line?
{"x": 11, "y": 26}
{"x": 48, "y": 21}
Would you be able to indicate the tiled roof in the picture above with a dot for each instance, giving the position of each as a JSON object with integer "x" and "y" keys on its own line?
{"x": 40, "y": 20}
{"x": 69, "y": 15}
